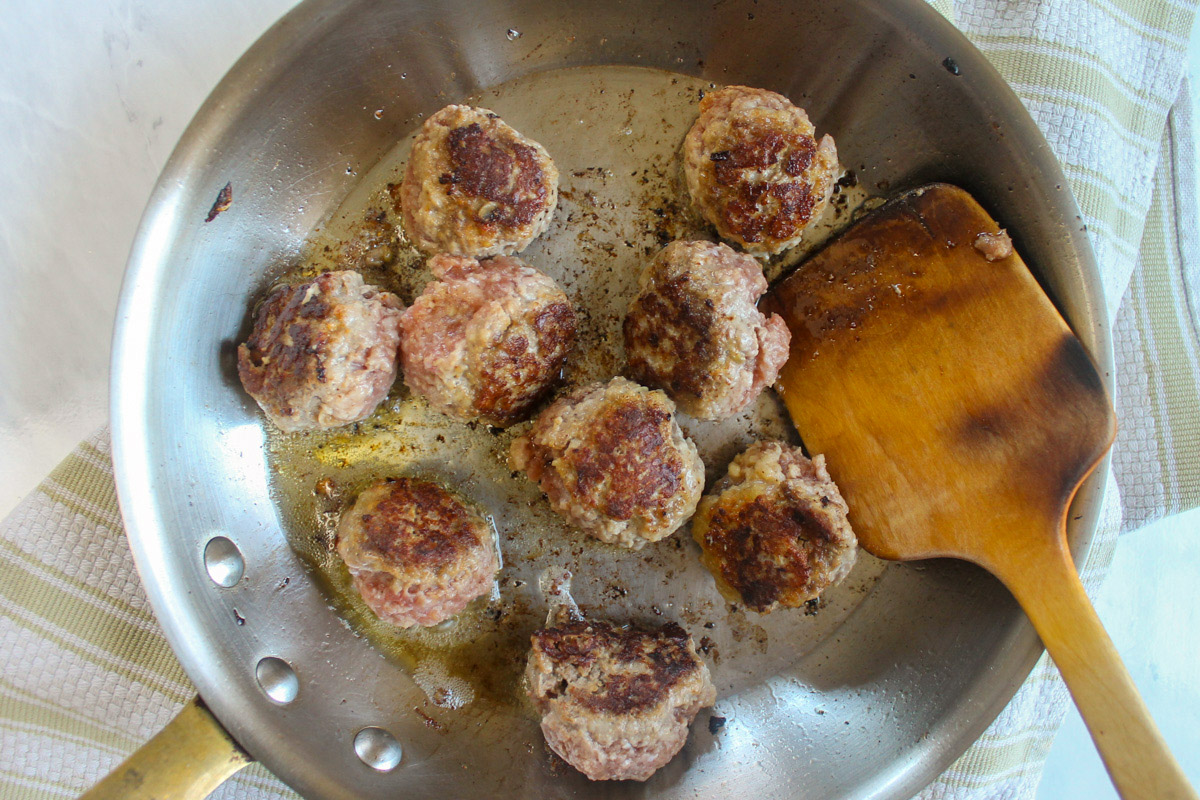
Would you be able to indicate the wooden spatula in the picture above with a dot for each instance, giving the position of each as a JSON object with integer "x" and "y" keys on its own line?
{"x": 959, "y": 414}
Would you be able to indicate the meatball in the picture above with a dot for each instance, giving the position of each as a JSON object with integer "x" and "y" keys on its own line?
{"x": 476, "y": 187}
{"x": 694, "y": 331}
{"x": 486, "y": 340}
{"x": 755, "y": 170}
{"x": 613, "y": 461}
{"x": 774, "y": 530}
{"x": 416, "y": 553}
{"x": 322, "y": 353}
{"x": 616, "y": 702}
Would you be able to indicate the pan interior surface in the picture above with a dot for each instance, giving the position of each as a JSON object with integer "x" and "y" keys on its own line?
{"x": 899, "y": 669}
{"x": 621, "y": 198}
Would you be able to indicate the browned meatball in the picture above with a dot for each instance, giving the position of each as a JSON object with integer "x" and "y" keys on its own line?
{"x": 476, "y": 187}
{"x": 695, "y": 332}
{"x": 616, "y": 702}
{"x": 612, "y": 460}
{"x": 774, "y": 531}
{"x": 486, "y": 340}
{"x": 322, "y": 353}
{"x": 416, "y": 553}
{"x": 755, "y": 169}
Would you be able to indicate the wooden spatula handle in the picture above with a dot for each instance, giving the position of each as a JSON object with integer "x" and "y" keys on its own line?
{"x": 1133, "y": 750}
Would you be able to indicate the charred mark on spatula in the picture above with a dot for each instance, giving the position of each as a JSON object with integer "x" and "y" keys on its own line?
{"x": 1070, "y": 364}
{"x": 985, "y": 427}
{"x": 1074, "y": 377}
{"x": 920, "y": 218}
{"x": 962, "y": 294}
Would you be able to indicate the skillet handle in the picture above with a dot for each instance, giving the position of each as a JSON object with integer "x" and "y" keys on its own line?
{"x": 1138, "y": 760}
{"x": 186, "y": 760}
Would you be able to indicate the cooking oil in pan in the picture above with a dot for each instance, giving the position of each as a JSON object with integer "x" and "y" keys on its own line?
{"x": 615, "y": 134}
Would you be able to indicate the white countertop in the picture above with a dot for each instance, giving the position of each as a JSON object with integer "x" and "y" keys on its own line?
{"x": 93, "y": 97}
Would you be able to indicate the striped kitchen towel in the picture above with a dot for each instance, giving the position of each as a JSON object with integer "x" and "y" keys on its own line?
{"x": 1104, "y": 81}
{"x": 85, "y": 675}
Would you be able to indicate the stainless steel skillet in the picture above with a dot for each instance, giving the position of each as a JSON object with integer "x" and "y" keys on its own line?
{"x": 876, "y": 707}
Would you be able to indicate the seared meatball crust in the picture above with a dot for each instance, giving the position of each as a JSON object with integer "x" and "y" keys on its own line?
{"x": 695, "y": 332}
{"x": 612, "y": 460}
{"x": 322, "y": 353}
{"x": 486, "y": 340}
{"x": 476, "y": 187}
{"x": 416, "y": 553}
{"x": 616, "y": 702}
{"x": 755, "y": 170}
{"x": 774, "y": 531}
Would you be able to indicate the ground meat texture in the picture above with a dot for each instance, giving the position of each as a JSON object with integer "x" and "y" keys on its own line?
{"x": 755, "y": 170}
{"x": 322, "y": 353}
{"x": 994, "y": 246}
{"x": 416, "y": 553}
{"x": 486, "y": 340}
{"x": 774, "y": 530}
{"x": 476, "y": 187}
{"x": 612, "y": 460}
{"x": 695, "y": 332}
{"x": 616, "y": 702}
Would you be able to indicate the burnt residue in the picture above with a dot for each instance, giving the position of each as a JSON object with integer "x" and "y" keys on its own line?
{"x": 429, "y": 721}
{"x": 222, "y": 203}
{"x": 374, "y": 244}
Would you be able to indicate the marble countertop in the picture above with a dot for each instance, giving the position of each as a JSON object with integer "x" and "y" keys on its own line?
{"x": 93, "y": 97}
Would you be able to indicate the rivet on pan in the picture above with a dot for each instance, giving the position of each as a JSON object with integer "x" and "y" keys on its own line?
{"x": 378, "y": 749}
{"x": 277, "y": 679}
{"x": 223, "y": 561}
